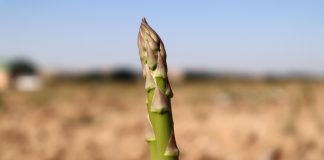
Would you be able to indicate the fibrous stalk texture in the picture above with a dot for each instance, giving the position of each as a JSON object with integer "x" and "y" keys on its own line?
{"x": 161, "y": 137}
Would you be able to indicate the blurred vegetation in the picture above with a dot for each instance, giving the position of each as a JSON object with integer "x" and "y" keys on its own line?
{"x": 22, "y": 65}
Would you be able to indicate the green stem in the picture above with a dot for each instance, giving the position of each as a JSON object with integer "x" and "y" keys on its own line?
{"x": 151, "y": 139}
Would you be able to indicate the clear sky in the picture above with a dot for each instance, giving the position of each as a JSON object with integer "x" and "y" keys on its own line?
{"x": 249, "y": 35}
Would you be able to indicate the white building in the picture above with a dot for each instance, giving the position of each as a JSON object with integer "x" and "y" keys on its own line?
{"x": 21, "y": 75}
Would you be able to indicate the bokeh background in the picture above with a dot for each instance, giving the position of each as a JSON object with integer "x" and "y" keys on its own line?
{"x": 247, "y": 77}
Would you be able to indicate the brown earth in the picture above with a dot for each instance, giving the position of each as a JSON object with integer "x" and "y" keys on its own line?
{"x": 213, "y": 121}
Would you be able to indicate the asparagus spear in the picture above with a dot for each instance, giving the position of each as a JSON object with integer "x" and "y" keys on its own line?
{"x": 161, "y": 139}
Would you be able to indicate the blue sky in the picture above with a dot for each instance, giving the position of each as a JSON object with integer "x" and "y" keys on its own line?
{"x": 251, "y": 35}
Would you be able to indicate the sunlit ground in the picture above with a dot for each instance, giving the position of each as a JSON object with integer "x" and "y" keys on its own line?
{"x": 213, "y": 120}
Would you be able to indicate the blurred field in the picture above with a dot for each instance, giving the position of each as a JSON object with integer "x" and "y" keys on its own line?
{"x": 213, "y": 121}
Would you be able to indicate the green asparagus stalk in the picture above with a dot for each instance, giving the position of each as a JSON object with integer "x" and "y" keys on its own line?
{"x": 161, "y": 139}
